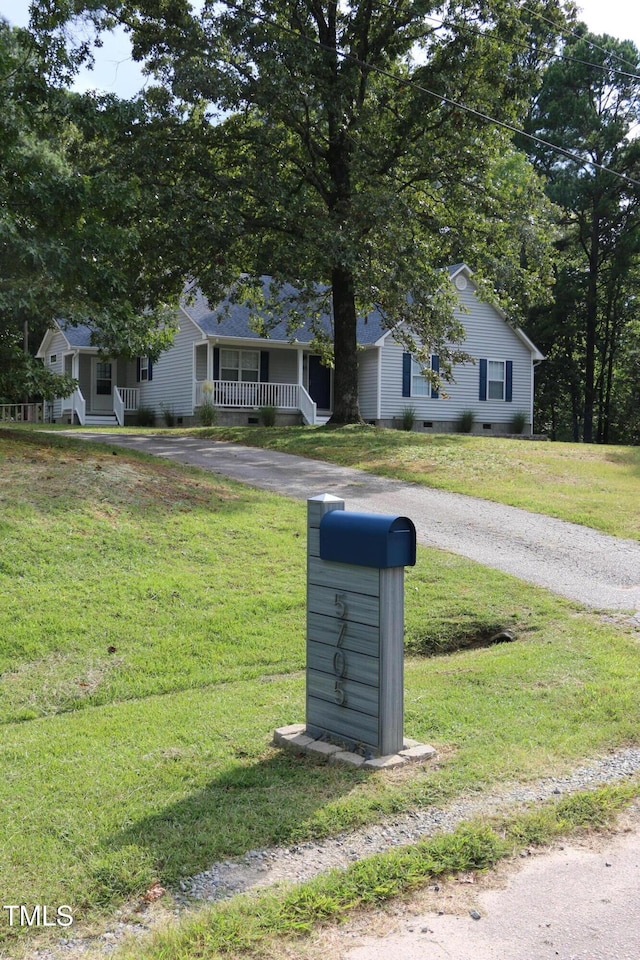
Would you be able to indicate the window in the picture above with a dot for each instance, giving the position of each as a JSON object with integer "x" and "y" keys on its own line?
{"x": 414, "y": 381}
{"x": 420, "y": 386}
{"x": 495, "y": 380}
{"x": 103, "y": 379}
{"x": 241, "y": 365}
{"x": 144, "y": 369}
{"x": 53, "y": 358}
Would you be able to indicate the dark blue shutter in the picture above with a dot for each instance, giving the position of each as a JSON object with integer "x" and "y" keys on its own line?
{"x": 150, "y": 370}
{"x": 508, "y": 386}
{"x": 216, "y": 363}
{"x": 482, "y": 395}
{"x": 406, "y": 374}
{"x": 137, "y": 369}
{"x": 435, "y": 366}
{"x": 264, "y": 366}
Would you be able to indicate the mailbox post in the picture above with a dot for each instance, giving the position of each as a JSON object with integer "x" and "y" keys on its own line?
{"x": 355, "y": 624}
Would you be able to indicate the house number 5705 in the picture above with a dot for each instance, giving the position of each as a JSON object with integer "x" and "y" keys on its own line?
{"x": 339, "y": 658}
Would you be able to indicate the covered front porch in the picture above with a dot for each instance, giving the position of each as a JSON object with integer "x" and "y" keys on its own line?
{"x": 107, "y": 390}
{"x": 289, "y": 380}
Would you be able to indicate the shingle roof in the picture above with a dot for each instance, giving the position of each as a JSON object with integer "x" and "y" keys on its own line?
{"x": 78, "y": 336}
{"x": 229, "y": 319}
{"x": 233, "y": 320}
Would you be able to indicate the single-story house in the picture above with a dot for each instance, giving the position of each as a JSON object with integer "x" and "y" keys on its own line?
{"x": 218, "y": 355}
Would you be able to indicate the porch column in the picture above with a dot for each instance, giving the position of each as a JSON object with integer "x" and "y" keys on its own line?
{"x": 300, "y": 366}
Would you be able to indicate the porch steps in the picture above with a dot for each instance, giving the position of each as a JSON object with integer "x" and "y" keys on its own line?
{"x": 101, "y": 420}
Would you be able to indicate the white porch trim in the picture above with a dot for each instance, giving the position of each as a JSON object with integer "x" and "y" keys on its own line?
{"x": 238, "y": 394}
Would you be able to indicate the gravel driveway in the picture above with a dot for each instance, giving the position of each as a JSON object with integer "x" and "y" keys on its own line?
{"x": 597, "y": 570}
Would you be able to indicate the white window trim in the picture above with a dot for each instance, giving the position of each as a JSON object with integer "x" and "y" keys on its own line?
{"x": 253, "y": 368}
{"x": 418, "y": 374}
{"x": 144, "y": 369}
{"x": 502, "y": 381}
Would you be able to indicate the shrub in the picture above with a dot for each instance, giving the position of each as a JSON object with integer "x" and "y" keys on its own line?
{"x": 146, "y": 417}
{"x": 408, "y": 418}
{"x": 518, "y": 421}
{"x": 465, "y": 421}
{"x": 268, "y": 416}
{"x": 207, "y": 414}
{"x": 168, "y": 415}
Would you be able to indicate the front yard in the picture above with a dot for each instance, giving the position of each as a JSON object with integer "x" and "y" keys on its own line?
{"x": 153, "y": 637}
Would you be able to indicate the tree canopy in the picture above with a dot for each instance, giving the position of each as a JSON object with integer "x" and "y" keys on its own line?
{"x": 589, "y": 104}
{"x": 77, "y": 231}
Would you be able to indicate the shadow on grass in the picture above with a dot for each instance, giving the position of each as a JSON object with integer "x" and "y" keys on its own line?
{"x": 264, "y": 804}
{"x": 629, "y": 458}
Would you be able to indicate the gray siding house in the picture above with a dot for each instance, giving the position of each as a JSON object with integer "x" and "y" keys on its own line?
{"x": 219, "y": 354}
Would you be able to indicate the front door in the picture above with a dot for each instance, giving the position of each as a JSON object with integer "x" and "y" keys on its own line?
{"x": 102, "y": 381}
{"x": 319, "y": 383}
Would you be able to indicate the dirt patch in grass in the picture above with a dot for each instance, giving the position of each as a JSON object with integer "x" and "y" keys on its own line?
{"x": 62, "y": 479}
{"x": 473, "y": 639}
{"x": 58, "y": 682}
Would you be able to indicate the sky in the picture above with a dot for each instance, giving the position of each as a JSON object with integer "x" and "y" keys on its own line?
{"x": 116, "y": 72}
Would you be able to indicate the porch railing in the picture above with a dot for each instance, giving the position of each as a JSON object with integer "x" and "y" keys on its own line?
{"x": 235, "y": 393}
{"x": 308, "y": 407}
{"x": 125, "y": 400}
{"x": 118, "y": 406}
{"x": 130, "y": 398}
{"x": 78, "y": 407}
{"x": 22, "y": 412}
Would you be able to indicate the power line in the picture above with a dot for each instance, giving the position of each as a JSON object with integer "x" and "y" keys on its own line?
{"x": 578, "y": 36}
{"x": 563, "y": 56}
{"x": 352, "y": 58}
{"x": 556, "y": 56}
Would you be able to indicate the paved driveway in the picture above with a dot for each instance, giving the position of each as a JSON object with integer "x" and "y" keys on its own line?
{"x": 597, "y": 570}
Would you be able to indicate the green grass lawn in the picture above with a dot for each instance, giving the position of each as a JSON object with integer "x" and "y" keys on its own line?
{"x": 152, "y": 625}
{"x": 595, "y": 485}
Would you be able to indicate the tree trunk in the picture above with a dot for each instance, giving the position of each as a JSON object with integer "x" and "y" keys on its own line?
{"x": 590, "y": 332}
{"x": 575, "y": 413}
{"x": 346, "y": 408}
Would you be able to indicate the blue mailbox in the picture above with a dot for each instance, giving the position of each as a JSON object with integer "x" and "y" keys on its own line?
{"x": 368, "y": 539}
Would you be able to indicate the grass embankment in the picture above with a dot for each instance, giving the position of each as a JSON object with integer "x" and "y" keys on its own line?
{"x": 152, "y": 625}
{"x": 586, "y": 483}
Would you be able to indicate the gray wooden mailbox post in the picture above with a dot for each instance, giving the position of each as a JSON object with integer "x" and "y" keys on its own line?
{"x": 355, "y": 624}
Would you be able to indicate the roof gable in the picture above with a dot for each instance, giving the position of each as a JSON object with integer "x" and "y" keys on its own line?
{"x": 76, "y": 337}
{"x": 462, "y": 269}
